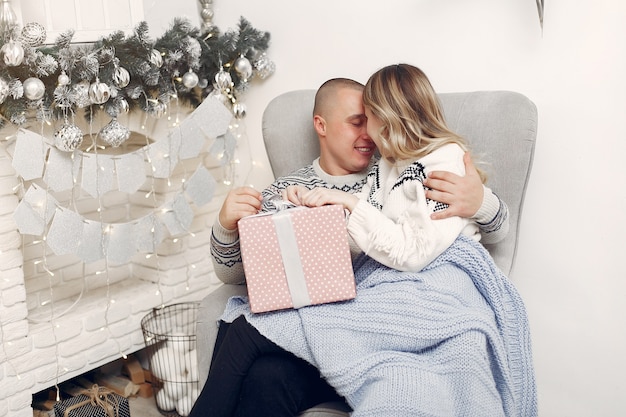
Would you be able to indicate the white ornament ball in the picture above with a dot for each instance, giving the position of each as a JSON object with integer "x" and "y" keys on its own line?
{"x": 13, "y": 53}
{"x": 190, "y": 79}
{"x": 34, "y": 88}
{"x": 99, "y": 93}
{"x": 164, "y": 402}
{"x": 121, "y": 77}
{"x": 68, "y": 138}
{"x": 176, "y": 389}
{"x": 33, "y": 34}
{"x": 243, "y": 67}
{"x": 183, "y": 406}
{"x": 63, "y": 79}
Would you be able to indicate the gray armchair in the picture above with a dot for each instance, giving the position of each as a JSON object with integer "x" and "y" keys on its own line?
{"x": 501, "y": 127}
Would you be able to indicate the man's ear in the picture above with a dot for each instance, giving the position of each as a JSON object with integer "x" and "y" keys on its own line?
{"x": 319, "y": 124}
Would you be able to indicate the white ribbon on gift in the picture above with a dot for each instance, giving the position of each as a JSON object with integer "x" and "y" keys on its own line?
{"x": 291, "y": 259}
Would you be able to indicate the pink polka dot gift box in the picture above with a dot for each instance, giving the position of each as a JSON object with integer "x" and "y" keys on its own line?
{"x": 296, "y": 257}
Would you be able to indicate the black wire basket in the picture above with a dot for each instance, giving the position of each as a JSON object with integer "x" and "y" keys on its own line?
{"x": 170, "y": 337}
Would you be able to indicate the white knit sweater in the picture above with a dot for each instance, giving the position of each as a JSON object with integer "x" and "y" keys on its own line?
{"x": 391, "y": 222}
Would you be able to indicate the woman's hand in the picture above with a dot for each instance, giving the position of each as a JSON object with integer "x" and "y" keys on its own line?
{"x": 319, "y": 196}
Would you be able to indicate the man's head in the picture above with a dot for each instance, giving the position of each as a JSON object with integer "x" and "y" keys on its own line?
{"x": 340, "y": 122}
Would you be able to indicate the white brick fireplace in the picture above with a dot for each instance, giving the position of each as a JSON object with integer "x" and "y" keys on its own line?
{"x": 58, "y": 325}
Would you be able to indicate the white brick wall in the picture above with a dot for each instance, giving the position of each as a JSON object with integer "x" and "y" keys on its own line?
{"x": 103, "y": 323}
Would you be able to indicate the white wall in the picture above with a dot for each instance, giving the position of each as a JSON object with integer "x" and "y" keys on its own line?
{"x": 568, "y": 268}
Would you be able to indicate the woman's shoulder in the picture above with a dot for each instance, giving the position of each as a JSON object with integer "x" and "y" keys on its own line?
{"x": 449, "y": 157}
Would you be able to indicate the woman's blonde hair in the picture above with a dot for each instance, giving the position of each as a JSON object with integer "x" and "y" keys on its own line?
{"x": 412, "y": 120}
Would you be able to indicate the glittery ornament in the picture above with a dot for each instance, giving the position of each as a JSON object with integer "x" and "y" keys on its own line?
{"x": 203, "y": 83}
{"x": 81, "y": 94}
{"x": 13, "y": 53}
{"x": 99, "y": 92}
{"x": 114, "y": 133}
{"x": 121, "y": 77}
{"x": 34, "y": 88}
{"x": 33, "y": 34}
{"x": 243, "y": 67}
{"x": 68, "y": 138}
{"x": 4, "y": 90}
{"x": 190, "y": 79}
{"x": 63, "y": 79}
{"x": 156, "y": 58}
{"x": 264, "y": 66}
{"x": 223, "y": 80}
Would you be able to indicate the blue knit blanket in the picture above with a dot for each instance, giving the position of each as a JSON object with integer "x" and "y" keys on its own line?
{"x": 451, "y": 340}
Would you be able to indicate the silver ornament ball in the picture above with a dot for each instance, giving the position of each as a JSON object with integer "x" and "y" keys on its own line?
{"x": 156, "y": 58}
{"x": 243, "y": 67}
{"x": 99, "y": 93}
{"x": 239, "y": 110}
{"x": 121, "y": 77}
{"x": 13, "y": 53}
{"x": 34, "y": 88}
{"x": 68, "y": 138}
{"x": 190, "y": 79}
{"x": 223, "y": 80}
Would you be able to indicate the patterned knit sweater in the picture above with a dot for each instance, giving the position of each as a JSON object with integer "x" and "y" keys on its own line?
{"x": 492, "y": 218}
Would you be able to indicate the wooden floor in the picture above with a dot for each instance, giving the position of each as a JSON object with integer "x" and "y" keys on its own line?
{"x": 143, "y": 407}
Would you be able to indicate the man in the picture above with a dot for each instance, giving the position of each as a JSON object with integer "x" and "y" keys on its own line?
{"x": 290, "y": 384}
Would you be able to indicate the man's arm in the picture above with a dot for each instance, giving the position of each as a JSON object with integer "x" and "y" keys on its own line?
{"x": 467, "y": 197}
{"x": 225, "y": 249}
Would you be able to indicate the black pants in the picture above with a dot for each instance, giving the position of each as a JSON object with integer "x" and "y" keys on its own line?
{"x": 250, "y": 376}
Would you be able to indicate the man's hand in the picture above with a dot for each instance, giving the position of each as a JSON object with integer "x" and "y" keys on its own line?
{"x": 239, "y": 202}
{"x": 463, "y": 195}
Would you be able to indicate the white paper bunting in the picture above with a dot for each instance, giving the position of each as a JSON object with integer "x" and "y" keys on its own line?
{"x": 148, "y": 234}
{"x": 161, "y": 160}
{"x": 200, "y": 187}
{"x": 91, "y": 244}
{"x": 131, "y": 172}
{"x": 121, "y": 243}
{"x": 177, "y": 216}
{"x": 192, "y": 138}
{"x": 29, "y": 155}
{"x": 212, "y": 117}
{"x": 35, "y": 211}
{"x": 98, "y": 174}
{"x": 61, "y": 170}
{"x": 65, "y": 232}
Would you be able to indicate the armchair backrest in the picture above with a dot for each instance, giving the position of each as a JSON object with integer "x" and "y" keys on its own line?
{"x": 500, "y": 126}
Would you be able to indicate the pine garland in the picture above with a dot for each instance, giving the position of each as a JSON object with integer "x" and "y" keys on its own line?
{"x": 120, "y": 72}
